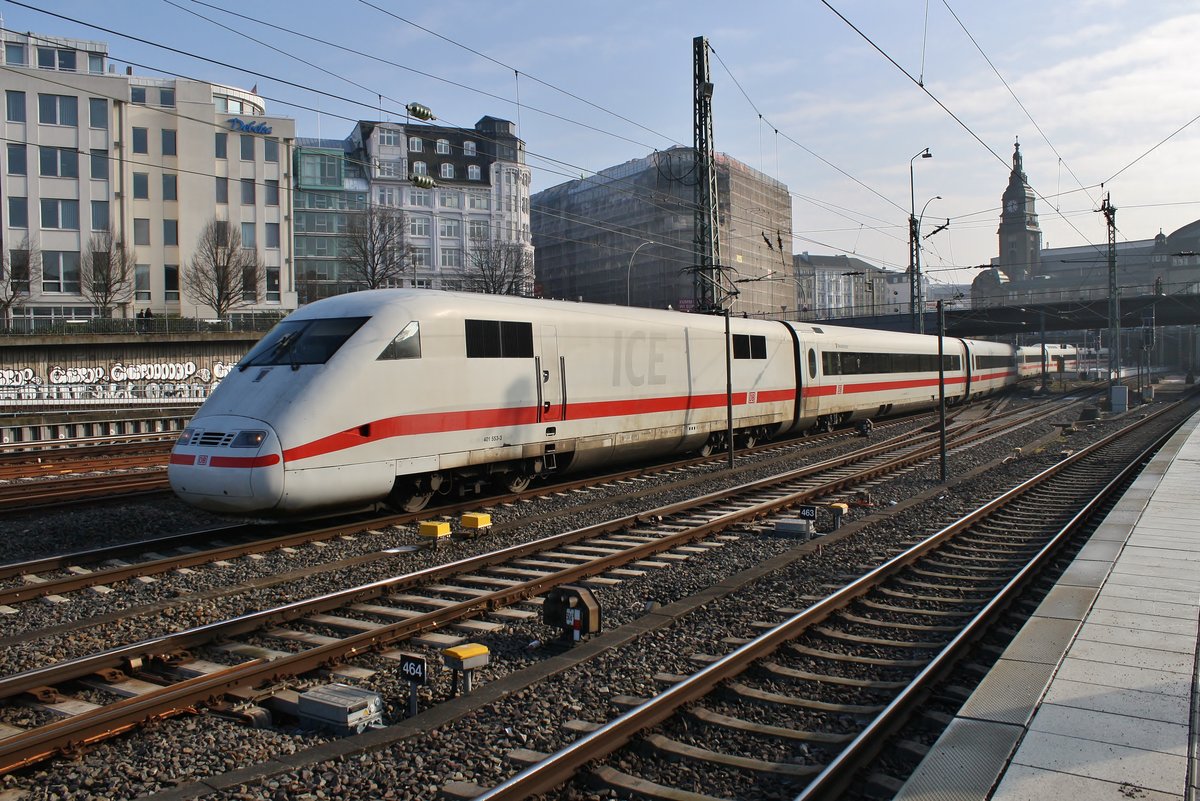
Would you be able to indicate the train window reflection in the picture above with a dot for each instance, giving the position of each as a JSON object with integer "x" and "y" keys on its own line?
{"x": 406, "y": 345}
{"x": 297, "y": 342}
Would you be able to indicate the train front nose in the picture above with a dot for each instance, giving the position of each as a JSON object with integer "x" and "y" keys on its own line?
{"x": 229, "y": 464}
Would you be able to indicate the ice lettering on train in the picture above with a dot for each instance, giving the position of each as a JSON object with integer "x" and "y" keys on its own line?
{"x": 639, "y": 358}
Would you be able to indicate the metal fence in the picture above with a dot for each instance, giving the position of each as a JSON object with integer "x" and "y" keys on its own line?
{"x": 66, "y": 326}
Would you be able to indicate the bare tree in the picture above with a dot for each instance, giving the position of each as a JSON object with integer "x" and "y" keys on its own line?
{"x": 497, "y": 268}
{"x": 377, "y": 250}
{"x": 107, "y": 278}
{"x": 20, "y": 269}
{"x": 222, "y": 274}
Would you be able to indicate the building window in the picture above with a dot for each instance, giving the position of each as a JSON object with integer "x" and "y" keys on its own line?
{"x": 170, "y": 187}
{"x": 389, "y": 136}
{"x": 270, "y": 150}
{"x": 447, "y": 171}
{"x": 98, "y": 113}
{"x": 137, "y": 95}
{"x": 468, "y": 148}
{"x": 478, "y": 229}
{"x": 418, "y": 197}
{"x": 247, "y": 147}
{"x": 222, "y": 145}
{"x": 14, "y": 54}
{"x": 141, "y": 281}
{"x": 449, "y": 228}
{"x": 168, "y": 141}
{"x": 421, "y": 257}
{"x": 141, "y": 186}
{"x": 451, "y": 258}
{"x": 46, "y": 57}
{"x": 222, "y": 190}
{"x": 418, "y": 226}
{"x": 141, "y": 140}
{"x": 18, "y": 212}
{"x": 473, "y": 173}
{"x": 443, "y": 147}
{"x": 249, "y": 285}
{"x": 272, "y": 192}
{"x": 58, "y": 110}
{"x": 60, "y": 271}
{"x": 272, "y": 234}
{"x": 272, "y": 275}
{"x": 62, "y": 214}
{"x": 166, "y": 98}
{"x": 449, "y": 200}
{"x": 414, "y": 144}
{"x": 170, "y": 233}
{"x": 100, "y": 219}
{"x": 385, "y": 169}
{"x": 419, "y": 168}
{"x": 16, "y": 160}
{"x": 15, "y": 106}
{"x": 170, "y": 282}
{"x": 141, "y": 231}
{"x": 387, "y": 196}
{"x": 479, "y": 201}
{"x": 249, "y": 240}
{"x": 58, "y": 162}
{"x": 96, "y": 63}
{"x": 99, "y": 165}
{"x": 248, "y": 191}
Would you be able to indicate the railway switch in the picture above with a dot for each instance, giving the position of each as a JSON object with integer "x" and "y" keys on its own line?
{"x": 573, "y": 609}
{"x": 465, "y": 659}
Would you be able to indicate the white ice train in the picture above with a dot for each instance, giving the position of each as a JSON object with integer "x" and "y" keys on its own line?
{"x": 1058, "y": 359}
{"x": 391, "y": 396}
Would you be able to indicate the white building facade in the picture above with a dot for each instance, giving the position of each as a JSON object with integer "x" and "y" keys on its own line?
{"x": 151, "y": 159}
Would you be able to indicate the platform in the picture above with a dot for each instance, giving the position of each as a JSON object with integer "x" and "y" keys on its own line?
{"x": 1095, "y": 697}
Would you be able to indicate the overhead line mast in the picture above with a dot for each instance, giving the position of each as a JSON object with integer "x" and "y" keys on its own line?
{"x": 708, "y": 295}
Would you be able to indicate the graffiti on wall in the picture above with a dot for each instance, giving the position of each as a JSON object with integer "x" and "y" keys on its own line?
{"x": 116, "y": 382}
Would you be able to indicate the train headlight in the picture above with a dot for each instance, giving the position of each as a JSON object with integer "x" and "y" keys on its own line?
{"x": 248, "y": 439}
{"x": 186, "y": 436}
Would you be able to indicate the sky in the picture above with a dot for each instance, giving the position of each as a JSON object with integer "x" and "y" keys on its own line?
{"x": 1099, "y": 92}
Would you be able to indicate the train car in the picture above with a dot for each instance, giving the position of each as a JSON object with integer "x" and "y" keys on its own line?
{"x": 854, "y": 373}
{"x": 1058, "y": 359}
{"x": 992, "y": 366}
{"x": 392, "y": 396}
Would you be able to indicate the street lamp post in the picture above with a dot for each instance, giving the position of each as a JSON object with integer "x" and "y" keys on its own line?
{"x": 629, "y": 270}
{"x": 913, "y": 239}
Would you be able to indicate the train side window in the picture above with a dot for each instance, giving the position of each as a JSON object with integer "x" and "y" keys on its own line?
{"x": 406, "y": 345}
{"x": 746, "y": 346}
{"x": 758, "y": 347}
{"x": 812, "y": 363}
{"x": 499, "y": 339}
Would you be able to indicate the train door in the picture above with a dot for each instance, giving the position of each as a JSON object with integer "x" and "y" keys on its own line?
{"x": 550, "y": 374}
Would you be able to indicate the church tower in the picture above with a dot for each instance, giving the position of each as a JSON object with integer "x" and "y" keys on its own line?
{"x": 1020, "y": 236}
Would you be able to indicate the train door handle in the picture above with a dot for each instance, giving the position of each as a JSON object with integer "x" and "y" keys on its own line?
{"x": 546, "y": 407}
{"x": 545, "y": 376}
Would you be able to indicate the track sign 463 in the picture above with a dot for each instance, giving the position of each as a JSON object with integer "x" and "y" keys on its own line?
{"x": 806, "y": 512}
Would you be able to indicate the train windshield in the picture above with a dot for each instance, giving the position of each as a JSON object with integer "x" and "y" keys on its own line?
{"x": 302, "y": 342}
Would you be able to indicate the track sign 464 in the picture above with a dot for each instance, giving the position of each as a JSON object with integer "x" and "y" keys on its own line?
{"x": 414, "y": 668}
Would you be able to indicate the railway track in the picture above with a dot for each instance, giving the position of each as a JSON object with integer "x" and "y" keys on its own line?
{"x": 475, "y": 595}
{"x": 802, "y": 708}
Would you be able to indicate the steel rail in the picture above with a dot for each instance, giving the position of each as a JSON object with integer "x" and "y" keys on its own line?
{"x": 565, "y": 763}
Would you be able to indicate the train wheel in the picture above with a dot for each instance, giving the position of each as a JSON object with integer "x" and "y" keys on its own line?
{"x": 749, "y": 440}
{"x": 517, "y": 482}
{"x": 416, "y": 501}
